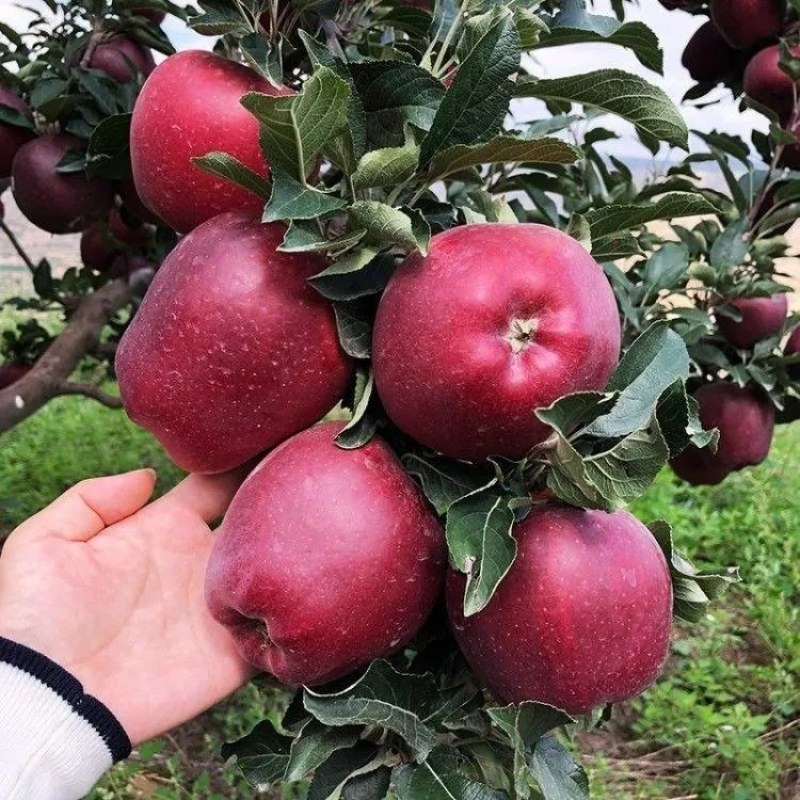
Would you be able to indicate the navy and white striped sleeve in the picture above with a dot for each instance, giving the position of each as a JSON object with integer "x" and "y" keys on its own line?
{"x": 55, "y": 740}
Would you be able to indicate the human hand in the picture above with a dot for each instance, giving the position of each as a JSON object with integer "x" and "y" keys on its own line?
{"x": 111, "y": 589}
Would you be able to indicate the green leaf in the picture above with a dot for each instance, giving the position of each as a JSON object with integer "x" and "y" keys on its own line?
{"x": 360, "y": 273}
{"x": 305, "y": 236}
{"x": 368, "y": 786}
{"x": 362, "y": 425}
{"x": 616, "y": 218}
{"x": 665, "y": 268}
{"x": 108, "y": 154}
{"x": 653, "y": 362}
{"x": 559, "y": 776}
{"x": 502, "y": 149}
{"x": 476, "y": 103}
{"x": 440, "y": 777}
{"x": 524, "y": 725}
{"x": 353, "y": 322}
{"x": 730, "y": 247}
{"x": 231, "y": 169}
{"x": 628, "y": 96}
{"x": 385, "y": 227}
{"x": 262, "y": 755}
{"x": 291, "y": 199}
{"x": 338, "y": 768}
{"x": 445, "y": 480}
{"x": 219, "y": 18}
{"x": 314, "y": 745}
{"x": 692, "y": 590}
{"x": 394, "y": 94}
{"x": 393, "y": 700}
{"x": 572, "y": 25}
{"x": 481, "y": 545}
{"x": 386, "y": 167}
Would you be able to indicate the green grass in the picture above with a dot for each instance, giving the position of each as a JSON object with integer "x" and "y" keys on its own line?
{"x": 722, "y": 722}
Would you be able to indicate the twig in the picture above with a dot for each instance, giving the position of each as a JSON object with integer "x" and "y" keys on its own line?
{"x": 17, "y": 246}
{"x": 89, "y": 390}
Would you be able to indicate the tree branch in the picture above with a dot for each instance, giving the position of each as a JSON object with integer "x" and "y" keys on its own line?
{"x": 17, "y": 246}
{"x": 89, "y": 390}
{"x": 51, "y": 372}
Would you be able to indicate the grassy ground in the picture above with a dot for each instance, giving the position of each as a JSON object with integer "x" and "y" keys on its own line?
{"x": 723, "y": 722}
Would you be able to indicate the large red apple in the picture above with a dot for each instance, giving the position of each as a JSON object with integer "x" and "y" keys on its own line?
{"x": 122, "y": 59}
{"x": 57, "y": 202}
{"x": 583, "y": 617}
{"x": 12, "y": 137}
{"x": 762, "y": 317}
{"x": 745, "y": 419}
{"x": 189, "y": 107}
{"x": 708, "y": 58}
{"x": 231, "y": 351}
{"x": 495, "y": 322}
{"x": 767, "y": 84}
{"x": 326, "y": 560}
{"x": 747, "y": 23}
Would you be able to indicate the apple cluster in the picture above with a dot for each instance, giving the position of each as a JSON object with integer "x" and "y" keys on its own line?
{"x": 330, "y": 557}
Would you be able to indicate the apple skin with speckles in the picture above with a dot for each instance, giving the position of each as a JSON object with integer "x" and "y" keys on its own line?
{"x": 327, "y": 559}
{"x": 583, "y": 617}
{"x": 762, "y": 317}
{"x": 231, "y": 351}
{"x": 189, "y": 107}
{"x": 496, "y": 321}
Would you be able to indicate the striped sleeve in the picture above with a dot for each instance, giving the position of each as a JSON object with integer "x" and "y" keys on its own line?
{"x": 55, "y": 740}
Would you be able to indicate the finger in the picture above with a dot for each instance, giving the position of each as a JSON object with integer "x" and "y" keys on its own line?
{"x": 205, "y": 496}
{"x": 91, "y": 505}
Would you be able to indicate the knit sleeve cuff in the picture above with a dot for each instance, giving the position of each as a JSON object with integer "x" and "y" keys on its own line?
{"x": 56, "y": 740}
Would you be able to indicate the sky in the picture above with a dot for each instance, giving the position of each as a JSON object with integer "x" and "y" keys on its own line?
{"x": 672, "y": 27}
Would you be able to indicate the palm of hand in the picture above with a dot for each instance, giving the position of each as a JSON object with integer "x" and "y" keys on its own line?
{"x": 124, "y": 611}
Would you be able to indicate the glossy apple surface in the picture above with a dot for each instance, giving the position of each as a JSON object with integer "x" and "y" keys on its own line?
{"x": 189, "y": 107}
{"x": 326, "y": 560}
{"x": 12, "y": 137}
{"x": 122, "y": 59}
{"x": 495, "y": 322}
{"x": 708, "y": 58}
{"x": 57, "y": 202}
{"x": 747, "y": 23}
{"x": 231, "y": 351}
{"x": 583, "y": 617}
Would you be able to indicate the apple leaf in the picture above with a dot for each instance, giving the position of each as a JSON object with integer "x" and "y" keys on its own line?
{"x": 262, "y": 755}
{"x": 573, "y": 25}
{"x": 362, "y": 425}
{"x": 305, "y": 236}
{"x": 477, "y": 101}
{"x": 440, "y": 777}
{"x": 353, "y": 322}
{"x": 559, "y": 776}
{"x": 524, "y": 725}
{"x": 397, "y": 701}
{"x": 315, "y": 744}
{"x": 692, "y": 589}
{"x": 628, "y": 96}
{"x": 651, "y": 365}
{"x": 387, "y": 227}
{"x": 501, "y": 149}
{"x": 481, "y": 545}
{"x": 368, "y": 785}
{"x": 291, "y": 199}
{"x": 444, "y": 480}
{"x": 386, "y": 167}
{"x": 230, "y": 169}
{"x": 664, "y": 269}
{"x": 394, "y": 94}
{"x": 218, "y": 19}
{"x": 338, "y": 767}
{"x": 109, "y": 153}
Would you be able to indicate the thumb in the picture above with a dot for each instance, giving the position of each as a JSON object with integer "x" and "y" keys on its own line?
{"x": 90, "y": 506}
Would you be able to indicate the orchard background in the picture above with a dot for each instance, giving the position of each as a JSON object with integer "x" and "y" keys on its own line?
{"x": 723, "y": 720}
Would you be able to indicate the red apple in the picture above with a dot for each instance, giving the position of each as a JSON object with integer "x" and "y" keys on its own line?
{"x": 133, "y": 203}
{"x": 792, "y": 347}
{"x": 745, "y": 419}
{"x": 98, "y": 249}
{"x": 762, "y": 317}
{"x": 57, "y": 202}
{"x": 12, "y": 137}
{"x": 583, "y": 617}
{"x": 766, "y": 83}
{"x": 326, "y": 560}
{"x": 231, "y": 351}
{"x": 122, "y": 59}
{"x": 189, "y": 107}
{"x": 708, "y": 58}
{"x": 747, "y": 23}
{"x": 11, "y": 372}
{"x": 496, "y": 321}
{"x": 134, "y": 236}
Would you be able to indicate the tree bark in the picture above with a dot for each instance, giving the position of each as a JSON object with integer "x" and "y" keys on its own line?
{"x": 49, "y": 376}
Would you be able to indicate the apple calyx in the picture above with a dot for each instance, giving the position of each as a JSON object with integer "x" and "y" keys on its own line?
{"x": 521, "y": 334}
